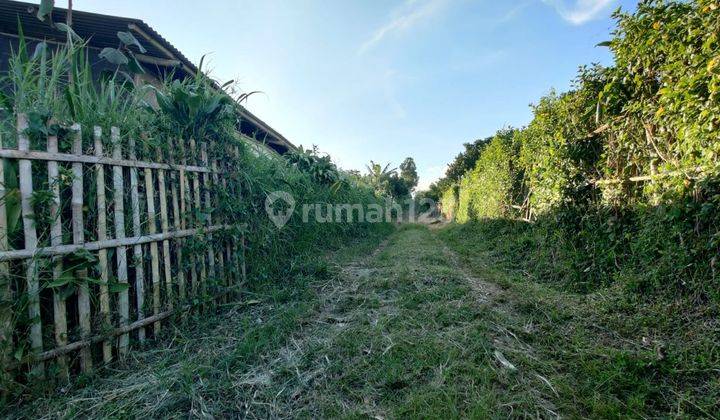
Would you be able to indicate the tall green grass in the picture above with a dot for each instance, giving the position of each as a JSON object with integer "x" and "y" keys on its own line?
{"x": 56, "y": 87}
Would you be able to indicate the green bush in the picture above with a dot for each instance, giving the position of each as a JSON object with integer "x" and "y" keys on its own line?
{"x": 655, "y": 113}
{"x": 449, "y": 202}
{"x": 487, "y": 190}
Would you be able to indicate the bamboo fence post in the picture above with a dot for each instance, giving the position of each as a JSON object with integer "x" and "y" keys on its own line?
{"x": 59, "y": 307}
{"x": 241, "y": 257}
{"x": 30, "y": 234}
{"x": 102, "y": 236}
{"x": 208, "y": 209}
{"x": 185, "y": 206}
{"x": 154, "y": 260}
{"x": 166, "y": 243}
{"x": 121, "y": 252}
{"x": 228, "y": 251}
{"x": 198, "y": 223}
{"x": 177, "y": 225}
{"x": 137, "y": 248}
{"x": 78, "y": 227}
{"x": 221, "y": 258}
{"x": 6, "y": 300}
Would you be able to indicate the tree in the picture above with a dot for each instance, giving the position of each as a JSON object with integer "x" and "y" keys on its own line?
{"x": 465, "y": 161}
{"x": 408, "y": 173}
{"x": 397, "y": 187}
{"x": 378, "y": 176}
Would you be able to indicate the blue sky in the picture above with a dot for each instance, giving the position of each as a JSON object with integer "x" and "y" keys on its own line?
{"x": 383, "y": 80}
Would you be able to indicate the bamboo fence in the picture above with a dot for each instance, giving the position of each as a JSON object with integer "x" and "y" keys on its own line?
{"x": 138, "y": 276}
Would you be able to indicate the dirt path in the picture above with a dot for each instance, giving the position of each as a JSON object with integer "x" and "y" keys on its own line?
{"x": 401, "y": 331}
{"x": 407, "y": 331}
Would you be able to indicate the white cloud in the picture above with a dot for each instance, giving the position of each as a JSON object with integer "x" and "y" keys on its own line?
{"x": 580, "y": 11}
{"x": 411, "y": 13}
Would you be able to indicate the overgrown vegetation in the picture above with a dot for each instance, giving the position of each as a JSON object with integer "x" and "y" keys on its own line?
{"x": 388, "y": 182}
{"x": 214, "y": 365}
{"x": 606, "y": 354}
{"x": 55, "y": 87}
{"x": 570, "y": 171}
{"x": 611, "y": 197}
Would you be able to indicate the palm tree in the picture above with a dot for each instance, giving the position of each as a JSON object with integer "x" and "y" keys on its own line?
{"x": 378, "y": 175}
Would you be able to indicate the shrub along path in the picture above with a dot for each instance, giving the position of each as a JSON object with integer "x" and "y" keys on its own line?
{"x": 402, "y": 331}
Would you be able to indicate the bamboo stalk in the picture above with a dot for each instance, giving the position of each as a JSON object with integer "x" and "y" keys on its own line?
{"x": 78, "y": 227}
{"x": 51, "y": 354}
{"x": 6, "y": 295}
{"x": 166, "y": 244}
{"x": 226, "y": 251}
{"x": 154, "y": 260}
{"x": 198, "y": 223}
{"x": 89, "y": 159}
{"x": 233, "y": 274}
{"x": 221, "y": 259}
{"x": 241, "y": 257}
{"x": 208, "y": 209}
{"x": 30, "y": 234}
{"x": 59, "y": 307}
{"x": 137, "y": 248}
{"x": 185, "y": 205}
{"x": 119, "y": 216}
{"x": 102, "y": 236}
{"x": 23, "y": 254}
{"x": 177, "y": 225}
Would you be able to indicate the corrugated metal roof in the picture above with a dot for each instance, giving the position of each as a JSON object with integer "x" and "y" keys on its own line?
{"x": 100, "y": 31}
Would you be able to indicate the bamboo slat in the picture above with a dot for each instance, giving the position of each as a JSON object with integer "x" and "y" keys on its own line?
{"x": 102, "y": 236}
{"x": 228, "y": 248}
{"x": 121, "y": 251}
{"x": 185, "y": 205}
{"x": 233, "y": 274}
{"x": 71, "y": 158}
{"x": 138, "y": 261}
{"x": 154, "y": 259}
{"x": 78, "y": 228}
{"x": 30, "y": 235}
{"x": 22, "y": 254}
{"x": 59, "y": 307}
{"x": 208, "y": 213}
{"x": 162, "y": 193}
{"x": 243, "y": 246}
{"x": 174, "y": 180}
{"x": 221, "y": 259}
{"x": 198, "y": 223}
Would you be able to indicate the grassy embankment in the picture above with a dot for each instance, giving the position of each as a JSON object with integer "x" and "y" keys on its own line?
{"x": 608, "y": 353}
